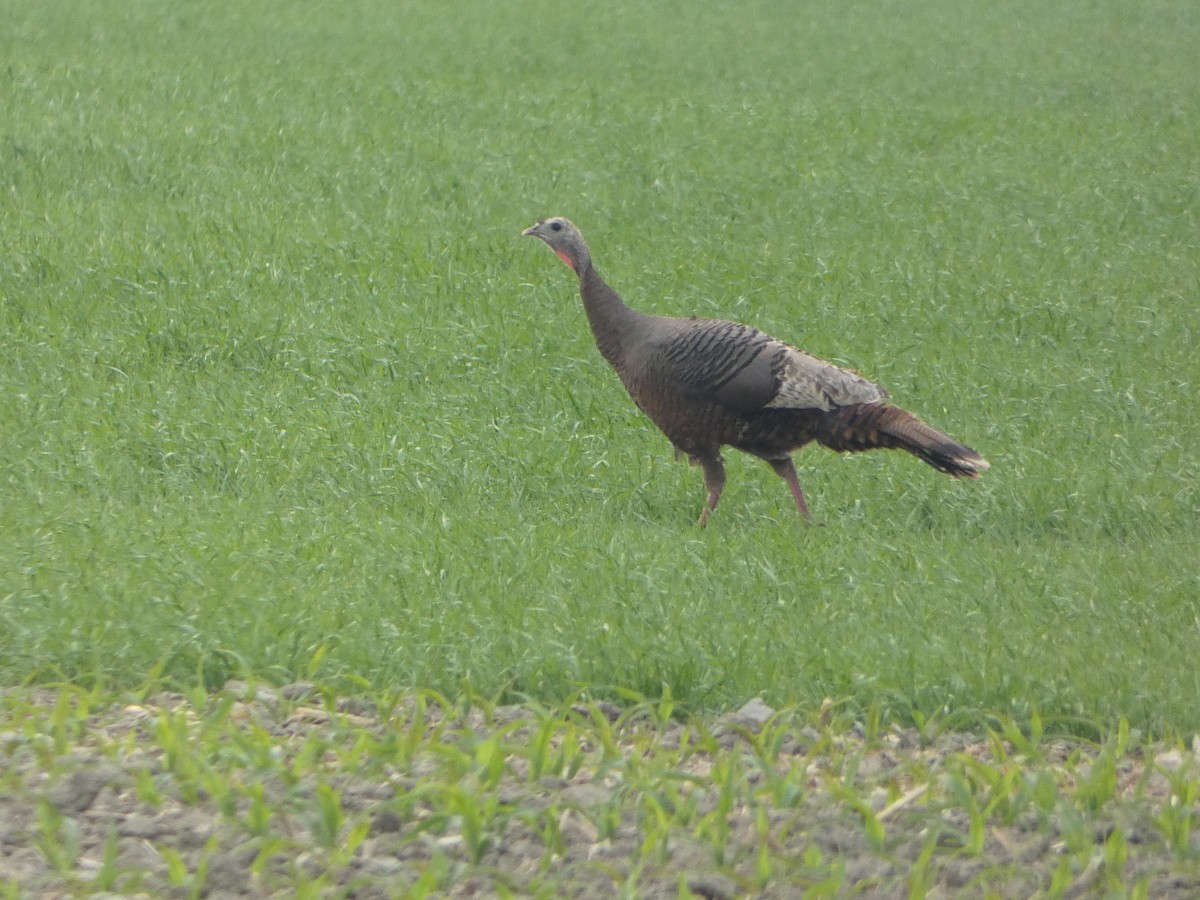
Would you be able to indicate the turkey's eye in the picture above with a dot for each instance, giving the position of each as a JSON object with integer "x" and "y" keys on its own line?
{"x": 556, "y": 226}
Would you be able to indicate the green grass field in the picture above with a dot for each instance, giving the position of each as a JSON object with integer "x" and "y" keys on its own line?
{"x": 286, "y": 395}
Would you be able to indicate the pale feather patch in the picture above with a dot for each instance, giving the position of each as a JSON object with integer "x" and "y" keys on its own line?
{"x": 806, "y": 382}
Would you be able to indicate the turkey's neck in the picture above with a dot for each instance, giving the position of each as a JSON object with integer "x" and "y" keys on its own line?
{"x": 613, "y": 323}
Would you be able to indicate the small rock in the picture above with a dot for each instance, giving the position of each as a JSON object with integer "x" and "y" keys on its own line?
{"x": 585, "y": 794}
{"x": 247, "y": 712}
{"x": 809, "y": 735}
{"x": 229, "y": 870}
{"x": 751, "y": 717}
{"x": 261, "y": 692}
{"x": 79, "y": 790}
{"x": 356, "y": 710}
{"x": 386, "y": 821}
{"x": 297, "y": 690}
{"x": 872, "y": 765}
{"x": 604, "y": 849}
{"x": 383, "y": 866}
{"x": 511, "y": 712}
{"x": 356, "y": 797}
{"x": 191, "y": 827}
{"x": 672, "y": 738}
{"x": 712, "y": 886}
{"x": 137, "y": 853}
{"x": 509, "y": 794}
{"x": 303, "y": 716}
{"x": 140, "y": 826}
{"x": 610, "y": 711}
{"x": 1170, "y": 761}
{"x": 754, "y": 710}
{"x": 447, "y": 841}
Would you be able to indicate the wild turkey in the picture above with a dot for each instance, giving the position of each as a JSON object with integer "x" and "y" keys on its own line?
{"x": 709, "y": 383}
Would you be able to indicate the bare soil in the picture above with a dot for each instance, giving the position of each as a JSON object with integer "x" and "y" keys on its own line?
{"x": 112, "y": 805}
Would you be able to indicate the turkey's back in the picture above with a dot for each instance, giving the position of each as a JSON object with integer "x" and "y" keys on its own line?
{"x": 708, "y": 382}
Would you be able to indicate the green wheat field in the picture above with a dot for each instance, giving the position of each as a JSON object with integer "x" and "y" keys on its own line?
{"x": 284, "y": 395}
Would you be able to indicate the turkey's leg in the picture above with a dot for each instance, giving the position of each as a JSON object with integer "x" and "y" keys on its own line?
{"x": 714, "y": 481}
{"x": 785, "y": 470}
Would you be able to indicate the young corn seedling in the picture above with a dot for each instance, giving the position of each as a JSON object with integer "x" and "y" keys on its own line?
{"x": 959, "y": 790}
{"x": 58, "y": 838}
{"x": 331, "y": 830}
{"x": 1099, "y": 786}
{"x": 409, "y": 736}
{"x": 1026, "y": 745}
{"x": 785, "y": 788}
{"x": 548, "y": 828}
{"x": 1061, "y": 879}
{"x": 820, "y": 878}
{"x": 764, "y": 868}
{"x": 873, "y": 828}
{"x": 1044, "y": 794}
{"x": 540, "y": 748}
{"x": 609, "y": 818}
{"x": 676, "y": 796}
{"x": 476, "y": 814}
{"x": 655, "y": 823}
{"x": 920, "y": 876}
{"x": 1116, "y": 852}
{"x": 68, "y": 719}
{"x": 714, "y": 828}
{"x": 269, "y": 847}
{"x": 330, "y": 817}
{"x": 435, "y": 878}
{"x": 665, "y": 708}
{"x": 602, "y": 731}
{"x": 146, "y": 787}
{"x": 257, "y": 818}
{"x": 194, "y": 883}
{"x": 109, "y": 872}
{"x": 491, "y": 760}
{"x": 177, "y": 870}
{"x": 1178, "y": 815}
{"x": 998, "y": 787}
{"x": 173, "y": 733}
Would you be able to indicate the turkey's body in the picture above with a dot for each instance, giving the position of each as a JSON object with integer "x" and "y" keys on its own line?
{"x": 708, "y": 383}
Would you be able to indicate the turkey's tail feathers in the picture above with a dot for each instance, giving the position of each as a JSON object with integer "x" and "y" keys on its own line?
{"x": 869, "y": 426}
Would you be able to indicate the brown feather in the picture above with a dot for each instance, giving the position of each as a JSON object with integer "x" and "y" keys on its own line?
{"x": 872, "y": 426}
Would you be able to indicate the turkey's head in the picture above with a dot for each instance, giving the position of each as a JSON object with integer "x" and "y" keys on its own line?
{"x": 564, "y": 239}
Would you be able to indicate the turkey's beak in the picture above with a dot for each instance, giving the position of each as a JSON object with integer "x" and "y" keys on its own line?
{"x": 531, "y": 230}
